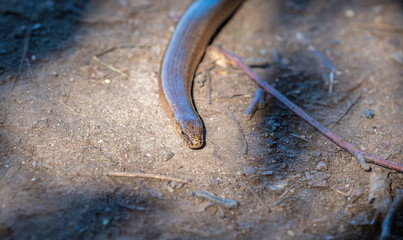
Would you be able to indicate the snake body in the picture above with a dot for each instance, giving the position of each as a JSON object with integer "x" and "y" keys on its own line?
{"x": 184, "y": 52}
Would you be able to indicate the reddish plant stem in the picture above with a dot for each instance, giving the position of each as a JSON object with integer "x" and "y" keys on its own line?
{"x": 235, "y": 60}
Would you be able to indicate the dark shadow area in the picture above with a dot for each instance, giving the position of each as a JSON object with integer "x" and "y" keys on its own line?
{"x": 34, "y": 30}
{"x": 79, "y": 216}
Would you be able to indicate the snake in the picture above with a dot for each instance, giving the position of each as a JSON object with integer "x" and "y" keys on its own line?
{"x": 187, "y": 45}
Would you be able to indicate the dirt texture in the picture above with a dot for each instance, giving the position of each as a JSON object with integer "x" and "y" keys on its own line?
{"x": 78, "y": 90}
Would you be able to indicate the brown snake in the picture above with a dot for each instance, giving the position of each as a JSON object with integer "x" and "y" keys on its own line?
{"x": 182, "y": 56}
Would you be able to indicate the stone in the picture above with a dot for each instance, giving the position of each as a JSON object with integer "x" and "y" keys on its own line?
{"x": 321, "y": 167}
{"x": 249, "y": 170}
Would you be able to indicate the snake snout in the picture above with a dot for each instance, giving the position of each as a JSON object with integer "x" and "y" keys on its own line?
{"x": 191, "y": 132}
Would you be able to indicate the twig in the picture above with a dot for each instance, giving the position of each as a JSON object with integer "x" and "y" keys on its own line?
{"x": 6, "y": 126}
{"x": 331, "y": 82}
{"x": 209, "y": 86}
{"x": 111, "y": 49}
{"x": 333, "y": 137}
{"x": 300, "y": 137}
{"x": 356, "y": 85}
{"x": 347, "y": 110}
{"x": 198, "y": 232}
{"x": 73, "y": 111}
{"x": 146, "y": 175}
{"x": 131, "y": 207}
{"x": 257, "y": 63}
{"x": 323, "y": 59}
{"x": 95, "y": 58}
{"x": 227, "y": 203}
{"x": 233, "y": 96}
{"x": 328, "y": 64}
{"x": 245, "y": 144}
{"x": 377, "y": 26}
{"x": 254, "y": 194}
{"x": 277, "y": 58}
{"x": 152, "y": 193}
{"x": 284, "y": 198}
{"x": 258, "y": 100}
{"x": 111, "y": 67}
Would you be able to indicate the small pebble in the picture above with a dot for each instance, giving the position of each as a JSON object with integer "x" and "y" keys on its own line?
{"x": 168, "y": 155}
{"x": 302, "y": 39}
{"x": 291, "y": 233}
{"x": 248, "y": 170}
{"x": 317, "y": 179}
{"x": 278, "y": 187}
{"x": 278, "y": 38}
{"x": 267, "y": 173}
{"x": 349, "y": 13}
{"x": 285, "y": 61}
{"x": 368, "y": 113}
{"x": 170, "y": 189}
{"x": 321, "y": 167}
{"x": 107, "y": 81}
{"x": 36, "y": 26}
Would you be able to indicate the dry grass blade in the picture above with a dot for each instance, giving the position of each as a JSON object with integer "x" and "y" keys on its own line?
{"x": 245, "y": 149}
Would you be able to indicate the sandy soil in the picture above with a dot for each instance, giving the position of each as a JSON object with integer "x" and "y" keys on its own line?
{"x": 66, "y": 120}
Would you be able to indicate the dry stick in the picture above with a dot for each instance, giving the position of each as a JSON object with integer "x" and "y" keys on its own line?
{"x": 146, "y": 175}
{"x": 198, "y": 232}
{"x": 245, "y": 149}
{"x": 277, "y": 58}
{"x": 257, "y": 100}
{"x": 152, "y": 193}
{"x": 111, "y": 67}
{"x": 227, "y": 203}
{"x": 131, "y": 207}
{"x": 209, "y": 86}
{"x": 347, "y": 110}
{"x": 284, "y": 198}
{"x": 257, "y": 197}
{"x": 323, "y": 59}
{"x": 328, "y": 64}
{"x": 361, "y": 156}
{"x": 73, "y": 111}
{"x": 377, "y": 26}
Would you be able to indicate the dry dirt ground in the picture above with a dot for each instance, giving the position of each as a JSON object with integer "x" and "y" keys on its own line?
{"x": 66, "y": 120}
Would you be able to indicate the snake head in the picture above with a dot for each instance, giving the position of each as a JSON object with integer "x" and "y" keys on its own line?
{"x": 191, "y": 132}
